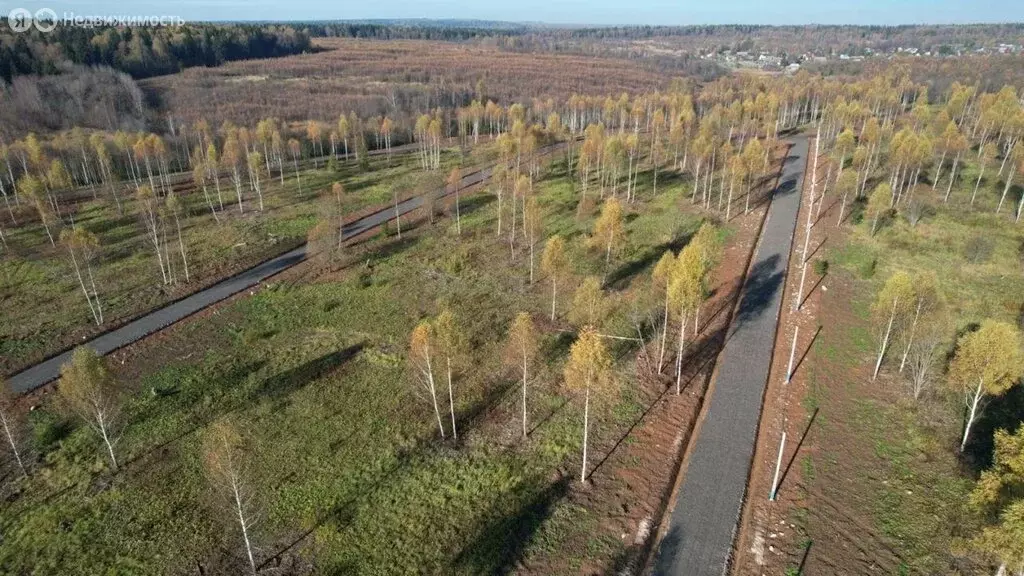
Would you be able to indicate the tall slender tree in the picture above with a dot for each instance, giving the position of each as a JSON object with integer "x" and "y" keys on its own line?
{"x": 987, "y": 362}
{"x": 82, "y": 246}
{"x": 892, "y": 310}
{"x": 451, "y": 344}
{"x": 87, "y": 387}
{"x": 225, "y": 455}
{"x": 555, "y": 264}
{"x": 421, "y": 351}
{"x": 521, "y": 353}
{"x": 587, "y": 372}
{"x": 12, "y": 425}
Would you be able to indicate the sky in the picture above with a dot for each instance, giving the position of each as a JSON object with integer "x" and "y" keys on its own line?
{"x": 597, "y": 12}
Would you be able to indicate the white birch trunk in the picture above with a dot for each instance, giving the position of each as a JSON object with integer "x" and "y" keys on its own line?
{"x": 885, "y": 340}
{"x": 973, "y": 413}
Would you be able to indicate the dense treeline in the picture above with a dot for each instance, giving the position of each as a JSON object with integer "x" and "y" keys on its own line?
{"x": 819, "y": 38}
{"x": 89, "y": 97}
{"x": 144, "y": 51}
{"x": 449, "y": 30}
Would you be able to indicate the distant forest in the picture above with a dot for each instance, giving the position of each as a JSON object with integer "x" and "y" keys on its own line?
{"x": 152, "y": 51}
{"x": 144, "y": 51}
{"x": 779, "y": 40}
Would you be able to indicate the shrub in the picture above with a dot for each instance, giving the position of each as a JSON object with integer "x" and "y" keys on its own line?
{"x": 978, "y": 249}
{"x": 820, "y": 266}
{"x": 47, "y": 430}
{"x": 867, "y": 269}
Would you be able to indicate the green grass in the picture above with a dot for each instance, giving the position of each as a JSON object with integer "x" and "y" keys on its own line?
{"x": 46, "y": 310}
{"x": 344, "y": 459}
{"x": 913, "y": 483}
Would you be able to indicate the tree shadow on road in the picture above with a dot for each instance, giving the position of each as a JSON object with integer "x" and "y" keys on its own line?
{"x": 762, "y": 284}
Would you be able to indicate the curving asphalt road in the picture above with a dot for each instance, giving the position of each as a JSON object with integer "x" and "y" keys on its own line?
{"x": 49, "y": 369}
{"x": 707, "y": 508}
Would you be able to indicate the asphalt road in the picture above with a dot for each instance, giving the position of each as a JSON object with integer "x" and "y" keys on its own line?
{"x": 707, "y": 508}
{"x": 49, "y": 369}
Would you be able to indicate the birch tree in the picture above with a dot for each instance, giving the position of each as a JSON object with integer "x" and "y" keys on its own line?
{"x": 149, "y": 212}
{"x": 295, "y": 149}
{"x": 555, "y": 264}
{"x": 986, "y": 156}
{"x": 587, "y": 372}
{"x": 455, "y": 181}
{"x": 588, "y": 303}
{"x": 925, "y": 350}
{"x": 609, "y": 229}
{"x": 213, "y": 171}
{"x": 987, "y": 363}
{"x": 12, "y": 424}
{"x": 685, "y": 288}
{"x": 254, "y": 161}
{"x": 315, "y": 134}
{"x": 89, "y": 390}
{"x": 892, "y": 308}
{"x": 174, "y": 208}
{"x": 1016, "y": 159}
{"x": 82, "y": 246}
{"x": 661, "y": 277}
{"x": 844, "y": 146}
{"x": 879, "y": 204}
{"x": 845, "y": 184}
{"x": 421, "y": 345}
{"x": 521, "y": 353}
{"x": 533, "y": 226}
{"x": 451, "y": 344}
{"x": 926, "y": 302}
{"x": 32, "y": 188}
{"x": 200, "y": 177}
{"x": 343, "y": 132}
{"x": 232, "y": 156}
{"x": 225, "y": 460}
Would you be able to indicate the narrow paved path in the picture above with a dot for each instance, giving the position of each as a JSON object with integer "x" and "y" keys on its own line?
{"x": 49, "y": 369}
{"x": 706, "y": 511}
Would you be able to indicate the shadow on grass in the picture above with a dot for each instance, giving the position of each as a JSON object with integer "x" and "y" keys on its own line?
{"x": 471, "y": 204}
{"x": 284, "y": 383}
{"x": 1004, "y": 412}
{"x": 621, "y": 276}
{"x": 699, "y": 359}
{"x": 343, "y": 513}
{"x": 501, "y": 544}
{"x": 386, "y": 248}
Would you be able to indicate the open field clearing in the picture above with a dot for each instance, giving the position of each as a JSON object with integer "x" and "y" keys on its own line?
{"x": 374, "y": 77}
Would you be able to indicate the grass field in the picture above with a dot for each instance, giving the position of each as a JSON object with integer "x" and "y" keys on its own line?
{"x": 886, "y": 487}
{"x": 46, "y": 310}
{"x": 344, "y": 459}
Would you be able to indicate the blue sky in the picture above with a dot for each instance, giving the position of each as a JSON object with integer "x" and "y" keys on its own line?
{"x": 669, "y": 12}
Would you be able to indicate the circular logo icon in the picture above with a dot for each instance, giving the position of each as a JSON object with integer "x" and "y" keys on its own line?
{"x": 45, "y": 20}
{"x": 20, "y": 19}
